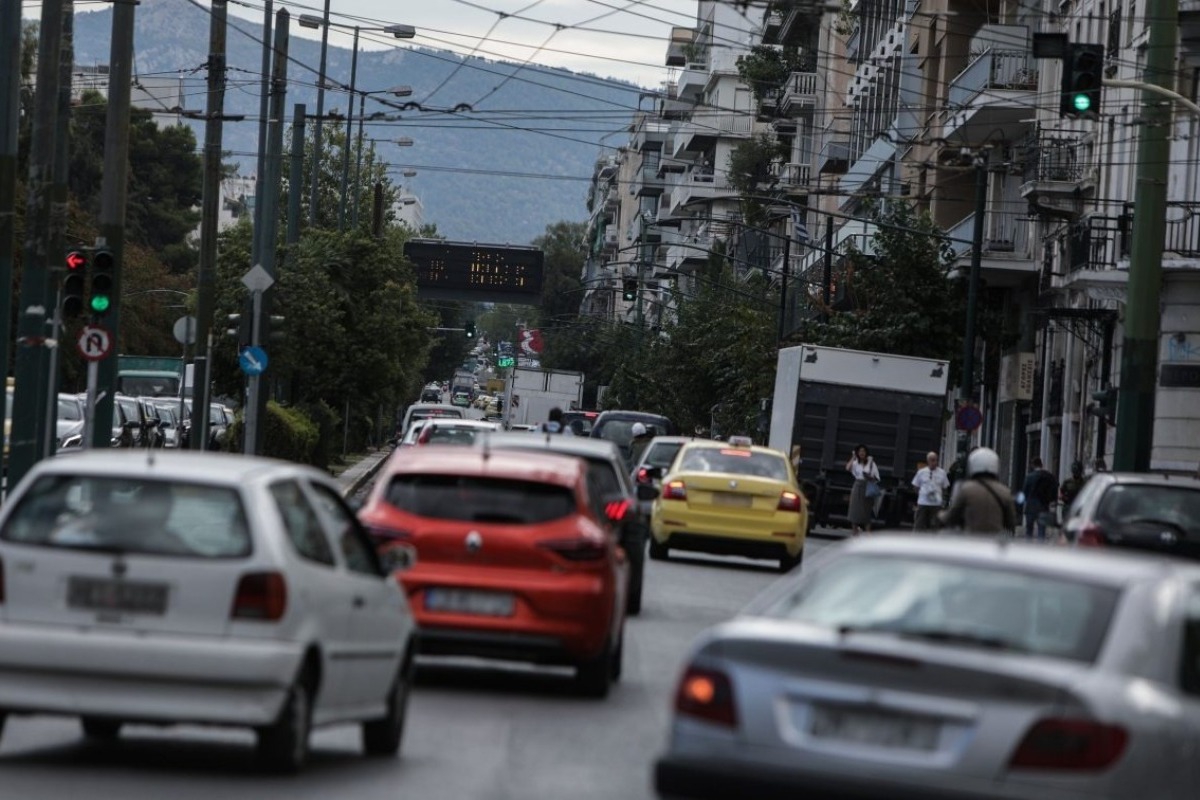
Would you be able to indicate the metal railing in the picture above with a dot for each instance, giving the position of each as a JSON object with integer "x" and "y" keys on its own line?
{"x": 1005, "y": 231}
{"x": 1183, "y": 228}
{"x": 1009, "y": 70}
{"x": 1054, "y": 158}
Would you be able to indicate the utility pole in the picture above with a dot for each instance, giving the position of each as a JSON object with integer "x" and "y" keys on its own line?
{"x": 362, "y": 103}
{"x": 30, "y": 372}
{"x": 316, "y": 159}
{"x": 209, "y": 206}
{"x": 1139, "y": 348}
{"x": 349, "y": 132}
{"x": 10, "y": 107}
{"x": 296, "y": 173}
{"x": 113, "y": 195}
{"x": 263, "y": 107}
{"x": 783, "y": 279}
{"x": 968, "y": 381}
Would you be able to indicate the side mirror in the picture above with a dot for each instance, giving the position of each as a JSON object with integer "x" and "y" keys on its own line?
{"x": 646, "y": 491}
{"x": 397, "y": 557}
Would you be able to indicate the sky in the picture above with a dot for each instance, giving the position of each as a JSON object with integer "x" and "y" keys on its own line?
{"x": 633, "y": 49}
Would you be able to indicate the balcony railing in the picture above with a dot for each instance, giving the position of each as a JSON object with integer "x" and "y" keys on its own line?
{"x": 1012, "y": 70}
{"x": 800, "y": 91}
{"x": 791, "y": 174}
{"x": 1005, "y": 233}
{"x": 1054, "y": 158}
{"x": 1183, "y": 228}
{"x": 1098, "y": 242}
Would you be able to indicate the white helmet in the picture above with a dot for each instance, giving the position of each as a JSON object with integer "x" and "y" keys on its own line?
{"x": 638, "y": 429}
{"x": 983, "y": 461}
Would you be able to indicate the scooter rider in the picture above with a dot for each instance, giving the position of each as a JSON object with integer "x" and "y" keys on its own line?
{"x": 981, "y": 503}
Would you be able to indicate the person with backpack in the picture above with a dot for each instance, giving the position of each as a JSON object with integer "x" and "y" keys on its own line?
{"x": 1040, "y": 491}
{"x": 981, "y": 502}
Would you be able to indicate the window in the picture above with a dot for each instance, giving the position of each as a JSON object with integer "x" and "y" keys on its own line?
{"x": 303, "y": 526}
{"x": 955, "y": 604}
{"x": 662, "y": 454}
{"x": 1176, "y": 506}
{"x": 69, "y": 409}
{"x": 1189, "y": 673}
{"x": 357, "y": 551}
{"x": 131, "y": 515}
{"x": 734, "y": 461}
{"x": 473, "y": 498}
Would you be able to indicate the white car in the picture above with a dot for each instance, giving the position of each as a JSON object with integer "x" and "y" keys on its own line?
{"x": 947, "y": 667}
{"x": 189, "y": 587}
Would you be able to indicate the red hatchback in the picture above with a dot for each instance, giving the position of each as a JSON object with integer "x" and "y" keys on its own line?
{"x": 515, "y": 558}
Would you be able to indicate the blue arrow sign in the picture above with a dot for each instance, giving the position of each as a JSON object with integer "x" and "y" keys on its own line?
{"x": 253, "y": 360}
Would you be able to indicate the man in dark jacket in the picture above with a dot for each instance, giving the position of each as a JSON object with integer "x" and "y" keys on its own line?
{"x": 981, "y": 503}
{"x": 1040, "y": 490}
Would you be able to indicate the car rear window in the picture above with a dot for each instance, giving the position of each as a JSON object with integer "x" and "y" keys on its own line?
{"x": 1132, "y": 503}
{"x": 621, "y": 430}
{"x": 734, "y": 461}
{"x": 131, "y": 515}
{"x": 470, "y": 498}
{"x": 435, "y": 413}
{"x": 451, "y": 435}
{"x": 958, "y": 604}
{"x": 69, "y": 409}
{"x": 662, "y": 454}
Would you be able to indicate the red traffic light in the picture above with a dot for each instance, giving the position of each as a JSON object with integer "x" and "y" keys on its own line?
{"x": 76, "y": 260}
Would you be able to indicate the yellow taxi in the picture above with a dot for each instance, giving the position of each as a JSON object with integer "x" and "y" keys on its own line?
{"x": 730, "y": 498}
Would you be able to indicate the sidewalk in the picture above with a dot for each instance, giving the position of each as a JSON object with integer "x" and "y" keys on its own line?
{"x": 359, "y": 474}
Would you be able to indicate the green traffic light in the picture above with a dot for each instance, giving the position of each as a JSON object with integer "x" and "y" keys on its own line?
{"x": 1081, "y": 102}
{"x": 100, "y": 303}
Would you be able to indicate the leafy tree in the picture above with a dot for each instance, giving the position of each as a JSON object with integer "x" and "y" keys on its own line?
{"x": 766, "y": 68}
{"x": 565, "y": 251}
{"x": 750, "y": 172}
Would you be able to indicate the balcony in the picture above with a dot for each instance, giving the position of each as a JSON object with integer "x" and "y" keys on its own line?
{"x": 771, "y": 27}
{"x": 692, "y": 81}
{"x": 1057, "y": 173}
{"x": 705, "y": 127}
{"x": 612, "y": 200}
{"x": 995, "y": 94}
{"x": 696, "y": 185}
{"x": 834, "y": 158}
{"x": 677, "y": 46}
{"x": 689, "y": 253}
{"x": 799, "y": 94}
{"x": 648, "y": 182}
{"x": 791, "y": 176}
{"x": 1007, "y": 258}
{"x": 649, "y": 134}
{"x": 799, "y": 20}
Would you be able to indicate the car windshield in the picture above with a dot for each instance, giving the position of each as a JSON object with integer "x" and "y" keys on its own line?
{"x": 472, "y": 498}
{"x": 734, "y": 461}
{"x": 621, "y": 431}
{"x": 157, "y": 386}
{"x": 130, "y": 407}
{"x": 131, "y": 515}
{"x": 69, "y": 409}
{"x": 997, "y": 608}
{"x": 1129, "y": 504}
{"x": 662, "y": 454}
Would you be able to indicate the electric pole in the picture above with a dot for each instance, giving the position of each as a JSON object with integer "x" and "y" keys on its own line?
{"x": 10, "y": 107}
{"x": 296, "y": 173}
{"x": 1139, "y": 348}
{"x": 263, "y": 112}
{"x": 313, "y": 200}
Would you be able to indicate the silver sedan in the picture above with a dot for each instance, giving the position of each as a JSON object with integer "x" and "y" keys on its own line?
{"x": 942, "y": 667}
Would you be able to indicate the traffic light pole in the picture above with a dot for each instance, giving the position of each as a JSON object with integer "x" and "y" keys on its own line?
{"x": 1139, "y": 350}
{"x": 10, "y": 106}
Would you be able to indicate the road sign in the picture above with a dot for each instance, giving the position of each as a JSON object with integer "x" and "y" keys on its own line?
{"x": 968, "y": 418}
{"x": 95, "y": 343}
{"x": 505, "y": 361}
{"x": 185, "y": 330}
{"x": 258, "y": 279}
{"x": 253, "y": 360}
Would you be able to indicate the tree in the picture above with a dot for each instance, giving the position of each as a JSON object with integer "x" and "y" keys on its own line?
{"x": 565, "y": 249}
{"x": 765, "y": 68}
{"x": 750, "y": 172}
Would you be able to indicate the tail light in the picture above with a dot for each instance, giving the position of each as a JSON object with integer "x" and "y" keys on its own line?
{"x": 1070, "y": 744}
{"x": 581, "y": 549}
{"x": 1091, "y": 535}
{"x": 616, "y": 510}
{"x": 643, "y": 475}
{"x": 706, "y": 694}
{"x": 260, "y": 596}
{"x": 675, "y": 490}
{"x": 790, "y": 501}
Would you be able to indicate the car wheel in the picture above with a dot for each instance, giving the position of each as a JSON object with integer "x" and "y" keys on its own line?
{"x": 382, "y": 737}
{"x": 787, "y": 563}
{"x": 101, "y": 730}
{"x": 593, "y": 676}
{"x": 283, "y": 746}
{"x": 658, "y": 552}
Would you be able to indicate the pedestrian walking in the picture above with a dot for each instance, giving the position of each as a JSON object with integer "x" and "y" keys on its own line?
{"x": 1069, "y": 489}
{"x": 865, "y": 490}
{"x": 981, "y": 502}
{"x": 554, "y": 423}
{"x": 1040, "y": 491}
{"x": 931, "y": 483}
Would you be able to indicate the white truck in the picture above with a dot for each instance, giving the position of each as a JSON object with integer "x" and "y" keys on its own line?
{"x": 829, "y": 400}
{"x": 533, "y": 392}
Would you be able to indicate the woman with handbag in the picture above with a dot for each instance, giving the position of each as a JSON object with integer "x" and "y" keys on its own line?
{"x": 865, "y": 491}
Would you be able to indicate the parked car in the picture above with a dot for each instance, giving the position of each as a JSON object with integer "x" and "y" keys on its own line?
{"x": 199, "y": 588}
{"x": 1140, "y": 511}
{"x": 607, "y": 473}
{"x": 948, "y": 667}
{"x": 730, "y": 498}
{"x": 68, "y": 423}
{"x": 617, "y": 427}
{"x": 168, "y": 413}
{"x": 515, "y": 558}
{"x": 153, "y": 433}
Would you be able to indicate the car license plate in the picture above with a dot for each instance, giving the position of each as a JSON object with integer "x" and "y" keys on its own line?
{"x": 874, "y": 728}
{"x": 101, "y": 594}
{"x": 470, "y": 601}
{"x": 732, "y": 499}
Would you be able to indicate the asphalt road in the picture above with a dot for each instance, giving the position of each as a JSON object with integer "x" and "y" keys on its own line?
{"x": 475, "y": 731}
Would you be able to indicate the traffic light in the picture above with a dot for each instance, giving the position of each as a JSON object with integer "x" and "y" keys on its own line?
{"x": 275, "y": 333}
{"x": 1082, "y": 80}
{"x": 104, "y": 267}
{"x": 1105, "y": 406}
{"x": 629, "y": 292}
{"x": 239, "y": 328}
{"x": 74, "y": 284}
{"x": 470, "y": 330}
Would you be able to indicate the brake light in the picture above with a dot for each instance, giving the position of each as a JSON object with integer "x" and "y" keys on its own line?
{"x": 1070, "y": 744}
{"x": 1091, "y": 535}
{"x": 675, "y": 490}
{"x": 576, "y": 549}
{"x": 616, "y": 510}
{"x": 706, "y": 694}
{"x": 643, "y": 475}
{"x": 790, "y": 501}
{"x": 260, "y": 596}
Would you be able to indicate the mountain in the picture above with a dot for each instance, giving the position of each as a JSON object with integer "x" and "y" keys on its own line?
{"x": 171, "y": 43}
